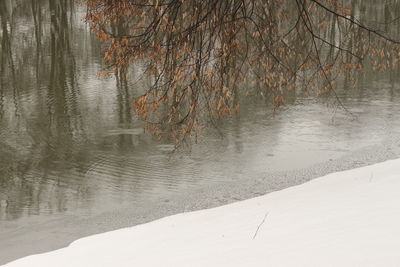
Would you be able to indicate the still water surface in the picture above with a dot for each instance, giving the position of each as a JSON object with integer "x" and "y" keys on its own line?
{"x": 71, "y": 148}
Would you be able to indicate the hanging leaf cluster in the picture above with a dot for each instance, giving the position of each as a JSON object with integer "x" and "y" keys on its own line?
{"x": 191, "y": 59}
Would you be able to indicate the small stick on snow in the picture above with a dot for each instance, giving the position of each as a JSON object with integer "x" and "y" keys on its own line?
{"x": 258, "y": 228}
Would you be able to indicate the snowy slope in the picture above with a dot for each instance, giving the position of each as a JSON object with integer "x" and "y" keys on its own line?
{"x": 350, "y": 218}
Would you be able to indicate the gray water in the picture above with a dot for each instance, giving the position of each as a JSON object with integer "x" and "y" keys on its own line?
{"x": 74, "y": 161}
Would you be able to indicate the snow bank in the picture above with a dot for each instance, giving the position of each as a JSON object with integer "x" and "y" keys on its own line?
{"x": 350, "y": 218}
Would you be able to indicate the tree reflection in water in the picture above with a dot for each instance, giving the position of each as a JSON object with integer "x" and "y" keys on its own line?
{"x": 68, "y": 138}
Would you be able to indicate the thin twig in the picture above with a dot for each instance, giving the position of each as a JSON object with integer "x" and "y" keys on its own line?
{"x": 259, "y": 226}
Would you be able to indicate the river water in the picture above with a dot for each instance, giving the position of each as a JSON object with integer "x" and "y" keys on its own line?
{"x": 74, "y": 162}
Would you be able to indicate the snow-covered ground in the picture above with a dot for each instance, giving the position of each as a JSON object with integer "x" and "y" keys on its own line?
{"x": 350, "y": 218}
